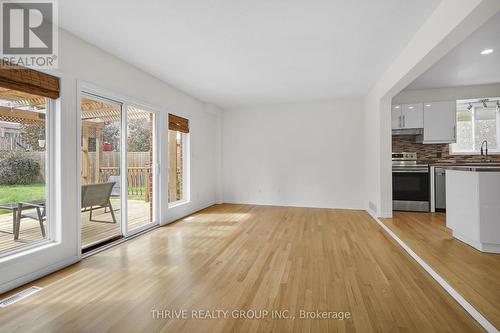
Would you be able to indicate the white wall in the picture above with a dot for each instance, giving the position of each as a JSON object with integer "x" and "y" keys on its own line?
{"x": 448, "y": 93}
{"x": 451, "y": 22}
{"x": 297, "y": 155}
{"x": 81, "y": 61}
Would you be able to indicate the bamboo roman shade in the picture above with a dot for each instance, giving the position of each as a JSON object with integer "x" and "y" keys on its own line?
{"x": 176, "y": 123}
{"x": 28, "y": 81}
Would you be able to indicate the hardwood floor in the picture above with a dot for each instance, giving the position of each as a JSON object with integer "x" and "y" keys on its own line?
{"x": 474, "y": 274}
{"x": 244, "y": 257}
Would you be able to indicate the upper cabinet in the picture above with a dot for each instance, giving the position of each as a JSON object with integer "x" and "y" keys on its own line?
{"x": 408, "y": 116}
{"x": 413, "y": 115}
{"x": 396, "y": 117}
{"x": 437, "y": 119}
{"x": 440, "y": 122}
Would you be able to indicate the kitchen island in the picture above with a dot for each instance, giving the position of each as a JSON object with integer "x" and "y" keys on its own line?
{"x": 473, "y": 205}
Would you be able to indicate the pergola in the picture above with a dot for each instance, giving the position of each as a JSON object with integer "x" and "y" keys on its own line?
{"x": 94, "y": 115}
{"x": 30, "y": 109}
{"x": 24, "y": 108}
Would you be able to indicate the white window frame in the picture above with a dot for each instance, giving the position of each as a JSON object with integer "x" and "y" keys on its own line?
{"x": 474, "y": 152}
{"x": 52, "y": 229}
{"x": 186, "y": 173}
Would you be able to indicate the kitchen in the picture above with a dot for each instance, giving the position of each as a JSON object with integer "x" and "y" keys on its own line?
{"x": 421, "y": 149}
{"x": 446, "y": 169}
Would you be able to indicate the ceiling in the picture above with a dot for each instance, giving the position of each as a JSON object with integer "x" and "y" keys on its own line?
{"x": 240, "y": 53}
{"x": 464, "y": 65}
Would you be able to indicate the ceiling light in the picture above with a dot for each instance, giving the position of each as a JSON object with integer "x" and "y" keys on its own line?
{"x": 427, "y": 105}
{"x": 397, "y": 107}
{"x": 498, "y": 104}
{"x": 486, "y": 51}
{"x": 410, "y": 107}
{"x": 484, "y": 102}
{"x": 469, "y": 107}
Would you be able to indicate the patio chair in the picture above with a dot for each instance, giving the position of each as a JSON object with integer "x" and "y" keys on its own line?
{"x": 18, "y": 214}
{"x": 95, "y": 196}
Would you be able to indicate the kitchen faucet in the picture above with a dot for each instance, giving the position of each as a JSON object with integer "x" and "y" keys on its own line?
{"x": 485, "y": 155}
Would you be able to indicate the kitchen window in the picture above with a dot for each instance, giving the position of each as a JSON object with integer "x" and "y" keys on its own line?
{"x": 477, "y": 120}
{"x": 178, "y": 163}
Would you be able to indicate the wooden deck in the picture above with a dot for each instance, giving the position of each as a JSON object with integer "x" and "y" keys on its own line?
{"x": 474, "y": 274}
{"x": 101, "y": 227}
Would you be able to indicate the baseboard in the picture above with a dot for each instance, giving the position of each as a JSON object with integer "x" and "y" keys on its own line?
{"x": 235, "y": 202}
{"x": 5, "y": 287}
{"x": 371, "y": 212}
{"x": 439, "y": 279}
{"x": 483, "y": 247}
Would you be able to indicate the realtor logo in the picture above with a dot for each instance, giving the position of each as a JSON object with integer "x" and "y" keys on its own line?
{"x": 29, "y": 32}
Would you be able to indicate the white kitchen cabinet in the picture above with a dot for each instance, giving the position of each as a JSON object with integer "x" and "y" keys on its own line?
{"x": 413, "y": 115}
{"x": 440, "y": 122}
{"x": 407, "y": 116}
{"x": 472, "y": 207}
{"x": 396, "y": 117}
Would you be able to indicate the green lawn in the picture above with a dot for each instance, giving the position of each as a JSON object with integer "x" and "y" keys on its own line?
{"x": 17, "y": 193}
{"x": 135, "y": 196}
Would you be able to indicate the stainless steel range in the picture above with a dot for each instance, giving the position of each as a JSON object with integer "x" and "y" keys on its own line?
{"x": 410, "y": 183}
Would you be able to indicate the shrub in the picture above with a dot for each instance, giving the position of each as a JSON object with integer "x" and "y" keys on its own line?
{"x": 18, "y": 167}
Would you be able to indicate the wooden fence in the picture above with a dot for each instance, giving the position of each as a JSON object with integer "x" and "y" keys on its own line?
{"x": 110, "y": 164}
{"x": 137, "y": 178}
{"x": 138, "y": 173}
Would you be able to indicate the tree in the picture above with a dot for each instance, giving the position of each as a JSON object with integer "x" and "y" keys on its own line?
{"x": 111, "y": 134}
{"x": 31, "y": 135}
{"x": 139, "y": 135}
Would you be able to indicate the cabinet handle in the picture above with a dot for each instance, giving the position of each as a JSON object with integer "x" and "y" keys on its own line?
{"x": 455, "y": 132}
{"x": 400, "y": 123}
{"x": 404, "y": 121}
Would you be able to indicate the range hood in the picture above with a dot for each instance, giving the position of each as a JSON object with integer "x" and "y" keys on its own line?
{"x": 408, "y": 131}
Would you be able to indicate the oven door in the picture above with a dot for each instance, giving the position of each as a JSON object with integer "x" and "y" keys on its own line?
{"x": 410, "y": 190}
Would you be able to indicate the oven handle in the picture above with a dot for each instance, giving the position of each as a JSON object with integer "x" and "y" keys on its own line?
{"x": 410, "y": 171}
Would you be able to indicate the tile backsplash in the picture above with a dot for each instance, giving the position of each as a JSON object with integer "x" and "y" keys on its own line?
{"x": 432, "y": 152}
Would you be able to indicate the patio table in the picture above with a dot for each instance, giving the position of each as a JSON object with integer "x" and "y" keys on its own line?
{"x": 17, "y": 215}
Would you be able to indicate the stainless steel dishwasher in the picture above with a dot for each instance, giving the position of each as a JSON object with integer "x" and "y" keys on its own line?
{"x": 440, "y": 188}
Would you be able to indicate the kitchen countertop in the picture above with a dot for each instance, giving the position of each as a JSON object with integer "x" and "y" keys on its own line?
{"x": 436, "y": 163}
{"x": 463, "y": 166}
{"x": 463, "y": 163}
{"x": 474, "y": 168}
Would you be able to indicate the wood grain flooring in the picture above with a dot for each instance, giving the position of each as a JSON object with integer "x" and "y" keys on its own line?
{"x": 474, "y": 274}
{"x": 244, "y": 257}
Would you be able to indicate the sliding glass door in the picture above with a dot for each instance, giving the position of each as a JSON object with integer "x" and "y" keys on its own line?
{"x": 117, "y": 170}
{"x": 101, "y": 123}
{"x": 141, "y": 178}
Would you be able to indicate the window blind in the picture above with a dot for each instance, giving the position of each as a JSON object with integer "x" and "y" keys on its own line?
{"x": 28, "y": 80}
{"x": 176, "y": 123}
